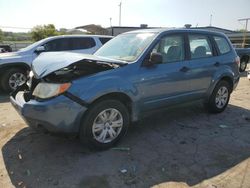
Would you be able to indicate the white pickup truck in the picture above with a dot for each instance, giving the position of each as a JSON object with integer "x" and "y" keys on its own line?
{"x": 15, "y": 65}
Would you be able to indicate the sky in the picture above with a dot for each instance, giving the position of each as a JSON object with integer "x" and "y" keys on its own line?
{"x": 157, "y": 13}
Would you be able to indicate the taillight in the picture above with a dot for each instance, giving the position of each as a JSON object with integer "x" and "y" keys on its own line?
{"x": 237, "y": 61}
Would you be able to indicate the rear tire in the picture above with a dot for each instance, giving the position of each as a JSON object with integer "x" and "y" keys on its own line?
{"x": 219, "y": 98}
{"x": 243, "y": 65}
{"x": 13, "y": 78}
{"x": 105, "y": 123}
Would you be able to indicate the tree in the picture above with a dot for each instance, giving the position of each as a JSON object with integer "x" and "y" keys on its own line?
{"x": 1, "y": 35}
{"x": 43, "y": 31}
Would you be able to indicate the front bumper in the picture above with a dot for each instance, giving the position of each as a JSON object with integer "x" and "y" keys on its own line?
{"x": 59, "y": 114}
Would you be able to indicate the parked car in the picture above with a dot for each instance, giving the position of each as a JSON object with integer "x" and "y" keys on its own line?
{"x": 6, "y": 47}
{"x": 14, "y": 66}
{"x": 97, "y": 96}
{"x": 2, "y": 50}
{"x": 244, "y": 54}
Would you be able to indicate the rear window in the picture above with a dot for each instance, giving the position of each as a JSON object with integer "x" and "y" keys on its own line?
{"x": 222, "y": 44}
{"x": 82, "y": 43}
{"x": 104, "y": 39}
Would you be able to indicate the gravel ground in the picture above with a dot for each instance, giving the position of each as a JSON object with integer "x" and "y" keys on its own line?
{"x": 178, "y": 147}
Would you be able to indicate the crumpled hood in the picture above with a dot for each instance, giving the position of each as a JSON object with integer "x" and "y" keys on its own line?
{"x": 49, "y": 62}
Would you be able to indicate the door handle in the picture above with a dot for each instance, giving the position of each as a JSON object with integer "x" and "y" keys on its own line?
{"x": 217, "y": 64}
{"x": 184, "y": 69}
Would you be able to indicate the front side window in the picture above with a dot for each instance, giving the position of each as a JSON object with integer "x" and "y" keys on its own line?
{"x": 222, "y": 44}
{"x": 200, "y": 46}
{"x": 171, "y": 48}
{"x": 57, "y": 45}
{"x": 126, "y": 47}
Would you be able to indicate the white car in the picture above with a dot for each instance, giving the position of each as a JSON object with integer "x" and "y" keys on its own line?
{"x": 15, "y": 65}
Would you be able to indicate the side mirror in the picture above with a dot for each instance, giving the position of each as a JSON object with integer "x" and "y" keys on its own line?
{"x": 155, "y": 58}
{"x": 40, "y": 49}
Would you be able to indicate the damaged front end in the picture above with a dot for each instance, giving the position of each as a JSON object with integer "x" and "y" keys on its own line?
{"x": 51, "y": 81}
{"x": 47, "y": 97}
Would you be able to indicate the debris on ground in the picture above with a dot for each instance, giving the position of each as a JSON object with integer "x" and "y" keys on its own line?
{"x": 223, "y": 126}
{"x": 121, "y": 148}
{"x": 185, "y": 126}
{"x": 20, "y": 156}
{"x": 247, "y": 118}
{"x": 28, "y": 172}
{"x": 123, "y": 171}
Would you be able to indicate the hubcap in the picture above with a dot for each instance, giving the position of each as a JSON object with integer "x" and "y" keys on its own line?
{"x": 107, "y": 125}
{"x": 221, "y": 97}
{"x": 16, "y": 79}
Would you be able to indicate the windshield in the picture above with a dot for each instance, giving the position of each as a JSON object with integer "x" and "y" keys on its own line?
{"x": 126, "y": 47}
{"x": 33, "y": 45}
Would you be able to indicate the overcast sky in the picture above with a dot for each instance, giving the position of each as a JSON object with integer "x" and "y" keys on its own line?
{"x": 158, "y": 13}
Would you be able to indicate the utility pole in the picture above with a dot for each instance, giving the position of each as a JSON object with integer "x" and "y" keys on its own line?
{"x": 211, "y": 16}
{"x": 110, "y": 21}
{"x": 120, "y": 13}
{"x": 245, "y": 32}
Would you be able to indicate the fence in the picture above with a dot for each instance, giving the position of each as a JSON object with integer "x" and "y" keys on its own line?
{"x": 16, "y": 45}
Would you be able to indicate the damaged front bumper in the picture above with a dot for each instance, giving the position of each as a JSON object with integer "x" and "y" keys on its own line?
{"x": 59, "y": 114}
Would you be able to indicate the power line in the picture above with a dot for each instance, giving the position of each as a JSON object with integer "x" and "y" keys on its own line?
{"x": 12, "y": 27}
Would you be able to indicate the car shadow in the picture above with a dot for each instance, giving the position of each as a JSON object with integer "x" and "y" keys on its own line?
{"x": 4, "y": 97}
{"x": 184, "y": 144}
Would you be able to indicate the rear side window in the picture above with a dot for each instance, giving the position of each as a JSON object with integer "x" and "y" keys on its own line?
{"x": 104, "y": 39}
{"x": 222, "y": 44}
{"x": 200, "y": 46}
{"x": 81, "y": 43}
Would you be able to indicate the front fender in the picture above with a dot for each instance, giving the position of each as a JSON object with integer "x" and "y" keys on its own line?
{"x": 89, "y": 91}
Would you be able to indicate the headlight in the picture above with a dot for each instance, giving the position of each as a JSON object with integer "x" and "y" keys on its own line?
{"x": 47, "y": 90}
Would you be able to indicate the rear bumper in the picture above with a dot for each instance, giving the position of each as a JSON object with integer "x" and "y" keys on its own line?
{"x": 59, "y": 114}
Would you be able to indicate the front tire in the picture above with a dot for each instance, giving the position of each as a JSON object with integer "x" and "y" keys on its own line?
{"x": 219, "y": 98}
{"x": 12, "y": 78}
{"x": 105, "y": 123}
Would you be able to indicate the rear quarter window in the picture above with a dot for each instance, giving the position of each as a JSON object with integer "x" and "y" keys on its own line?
{"x": 222, "y": 44}
{"x": 104, "y": 39}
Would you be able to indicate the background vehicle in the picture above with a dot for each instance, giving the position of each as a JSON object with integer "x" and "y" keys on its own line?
{"x": 14, "y": 66}
{"x": 6, "y": 47}
{"x": 97, "y": 96}
{"x": 244, "y": 54}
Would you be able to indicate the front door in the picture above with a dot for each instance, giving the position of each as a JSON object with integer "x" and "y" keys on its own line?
{"x": 164, "y": 83}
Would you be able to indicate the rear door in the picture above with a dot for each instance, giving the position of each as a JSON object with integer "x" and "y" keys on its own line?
{"x": 202, "y": 64}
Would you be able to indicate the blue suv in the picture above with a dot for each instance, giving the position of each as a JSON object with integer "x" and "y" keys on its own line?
{"x": 98, "y": 96}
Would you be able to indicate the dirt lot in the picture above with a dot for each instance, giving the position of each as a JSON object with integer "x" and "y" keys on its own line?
{"x": 184, "y": 144}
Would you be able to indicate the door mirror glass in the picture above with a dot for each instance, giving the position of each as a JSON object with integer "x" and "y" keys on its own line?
{"x": 155, "y": 58}
{"x": 39, "y": 49}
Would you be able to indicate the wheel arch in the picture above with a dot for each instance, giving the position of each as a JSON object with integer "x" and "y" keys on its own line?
{"x": 20, "y": 65}
{"x": 119, "y": 96}
{"x": 245, "y": 57}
